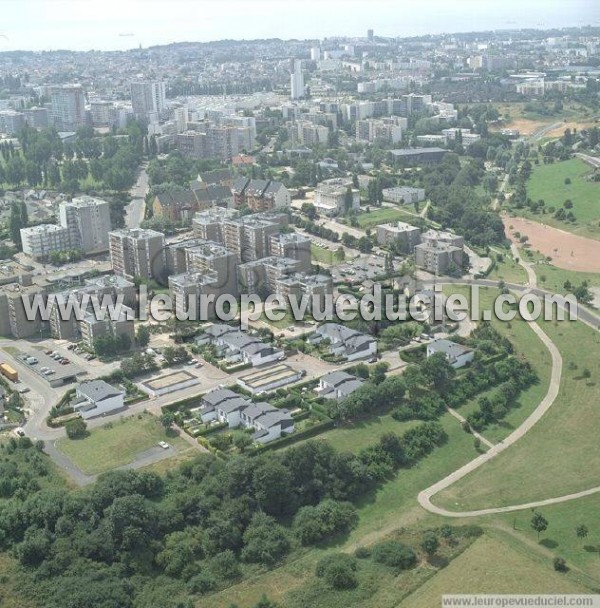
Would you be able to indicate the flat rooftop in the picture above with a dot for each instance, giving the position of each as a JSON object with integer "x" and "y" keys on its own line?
{"x": 169, "y": 380}
{"x": 256, "y": 380}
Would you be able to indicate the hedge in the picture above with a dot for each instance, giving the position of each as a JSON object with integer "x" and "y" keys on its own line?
{"x": 313, "y": 431}
{"x": 60, "y": 421}
{"x": 301, "y": 416}
{"x": 489, "y": 269}
{"x": 212, "y": 429}
{"x": 172, "y": 407}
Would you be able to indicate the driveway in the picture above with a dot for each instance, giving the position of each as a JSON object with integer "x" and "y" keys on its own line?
{"x": 141, "y": 460}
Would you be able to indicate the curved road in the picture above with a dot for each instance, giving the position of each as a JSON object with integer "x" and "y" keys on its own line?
{"x": 426, "y": 495}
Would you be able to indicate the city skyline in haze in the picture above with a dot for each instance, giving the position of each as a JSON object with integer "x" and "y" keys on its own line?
{"x": 124, "y": 24}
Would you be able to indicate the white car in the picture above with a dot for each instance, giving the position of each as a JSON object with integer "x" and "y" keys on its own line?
{"x": 164, "y": 445}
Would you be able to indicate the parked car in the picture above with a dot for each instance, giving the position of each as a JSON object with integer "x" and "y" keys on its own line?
{"x": 164, "y": 445}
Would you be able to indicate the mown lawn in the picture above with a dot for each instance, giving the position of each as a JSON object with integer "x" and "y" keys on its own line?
{"x": 321, "y": 255}
{"x": 383, "y": 216}
{"x": 353, "y": 437}
{"x": 527, "y": 345}
{"x": 553, "y": 278}
{"x": 389, "y": 508}
{"x": 508, "y": 270}
{"x": 561, "y": 536}
{"x": 491, "y": 566}
{"x": 559, "y": 455}
{"x": 547, "y": 182}
{"x": 117, "y": 444}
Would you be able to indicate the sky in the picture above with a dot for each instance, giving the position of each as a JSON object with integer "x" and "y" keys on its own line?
{"x": 122, "y": 24}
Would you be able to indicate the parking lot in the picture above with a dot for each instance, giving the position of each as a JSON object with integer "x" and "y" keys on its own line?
{"x": 362, "y": 268}
{"x": 51, "y": 366}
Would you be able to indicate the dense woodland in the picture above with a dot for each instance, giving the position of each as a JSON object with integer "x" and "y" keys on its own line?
{"x": 137, "y": 540}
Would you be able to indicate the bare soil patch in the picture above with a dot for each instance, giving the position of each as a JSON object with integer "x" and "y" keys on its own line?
{"x": 568, "y": 251}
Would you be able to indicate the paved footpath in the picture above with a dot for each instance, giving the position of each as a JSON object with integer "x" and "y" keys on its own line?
{"x": 426, "y": 495}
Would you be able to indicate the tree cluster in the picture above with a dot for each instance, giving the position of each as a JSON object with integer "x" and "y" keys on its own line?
{"x": 137, "y": 540}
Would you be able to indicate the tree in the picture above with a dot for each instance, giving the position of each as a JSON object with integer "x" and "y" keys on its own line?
{"x": 430, "y": 543}
{"x": 313, "y": 524}
{"x": 175, "y": 354}
{"x": 348, "y": 199}
{"x": 438, "y": 371}
{"x": 272, "y": 487}
{"x": 167, "y": 420}
{"x": 225, "y": 566}
{"x": 264, "y": 602}
{"x": 265, "y": 541}
{"x": 539, "y": 523}
{"x": 15, "y": 224}
{"x": 447, "y": 533}
{"x": 394, "y": 554}
{"x": 142, "y": 336}
{"x": 242, "y": 441}
{"x": 15, "y": 170}
{"x": 309, "y": 210}
{"x": 378, "y": 372}
{"x": 581, "y": 531}
{"x": 338, "y": 570}
{"x": 76, "y": 428}
{"x": 560, "y": 565}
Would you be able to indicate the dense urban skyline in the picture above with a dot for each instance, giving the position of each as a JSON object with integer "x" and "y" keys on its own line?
{"x": 66, "y": 24}
{"x": 299, "y": 303}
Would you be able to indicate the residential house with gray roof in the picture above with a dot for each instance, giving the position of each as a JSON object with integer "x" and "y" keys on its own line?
{"x": 97, "y": 398}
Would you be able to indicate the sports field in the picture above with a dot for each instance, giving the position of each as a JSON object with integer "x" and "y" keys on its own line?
{"x": 561, "y": 181}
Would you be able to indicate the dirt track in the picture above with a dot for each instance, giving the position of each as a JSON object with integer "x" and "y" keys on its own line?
{"x": 567, "y": 250}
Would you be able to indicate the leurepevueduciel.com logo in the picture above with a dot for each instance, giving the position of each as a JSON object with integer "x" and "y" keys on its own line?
{"x": 431, "y": 305}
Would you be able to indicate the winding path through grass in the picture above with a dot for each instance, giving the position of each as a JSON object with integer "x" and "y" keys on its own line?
{"x": 426, "y": 495}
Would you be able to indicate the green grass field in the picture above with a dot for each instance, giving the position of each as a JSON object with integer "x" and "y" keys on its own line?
{"x": 491, "y": 566}
{"x": 378, "y": 585}
{"x": 553, "y": 278}
{"x": 108, "y": 448}
{"x": 385, "y": 215}
{"x": 508, "y": 270}
{"x": 12, "y": 596}
{"x": 321, "y": 255}
{"x": 394, "y": 504}
{"x": 389, "y": 508}
{"x": 352, "y": 437}
{"x": 547, "y": 182}
{"x": 561, "y": 536}
{"x": 527, "y": 345}
{"x": 559, "y": 454}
